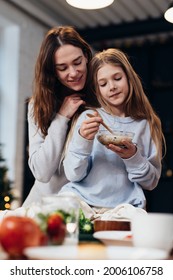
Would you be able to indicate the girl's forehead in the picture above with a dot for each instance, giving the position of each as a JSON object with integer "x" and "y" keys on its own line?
{"x": 106, "y": 69}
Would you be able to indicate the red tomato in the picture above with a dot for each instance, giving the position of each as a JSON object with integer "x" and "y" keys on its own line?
{"x": 56, "y": 229}
{"x": 17, "y": 233}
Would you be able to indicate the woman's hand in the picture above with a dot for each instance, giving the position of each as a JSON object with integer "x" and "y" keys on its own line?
{"x": 70, "y": 105}
{"x": 125, "y": 153}
{"x": 90, "y": 127}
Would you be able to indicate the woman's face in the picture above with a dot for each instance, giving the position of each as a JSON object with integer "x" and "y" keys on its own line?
{"x": 113, "y": 86}
{"x": 71, "y": 67}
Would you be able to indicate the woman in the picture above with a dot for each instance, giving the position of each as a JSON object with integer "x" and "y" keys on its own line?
{"x": 103, "y": 177}
{"x": 59, "y": 92}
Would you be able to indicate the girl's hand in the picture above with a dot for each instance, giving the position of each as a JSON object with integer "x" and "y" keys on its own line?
{"x": 70, "y": 105}
{"x": 125, "y": 153}
{"x": 90, "y": 127}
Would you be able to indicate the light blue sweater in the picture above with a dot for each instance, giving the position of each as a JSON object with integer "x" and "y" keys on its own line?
{"x": 100, "y": 177}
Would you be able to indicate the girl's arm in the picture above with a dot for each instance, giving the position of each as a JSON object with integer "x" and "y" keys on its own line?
{"x": 142, "y": 164}
{"x": 78, "y": 157}
{"x": 144, "y": 170}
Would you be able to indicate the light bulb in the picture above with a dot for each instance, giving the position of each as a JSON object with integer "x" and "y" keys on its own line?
{"x": 169, "y": 14}
{"x": 89, "y": 4}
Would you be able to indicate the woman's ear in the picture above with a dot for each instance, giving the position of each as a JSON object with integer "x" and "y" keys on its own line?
{"x": 86, "y": 57}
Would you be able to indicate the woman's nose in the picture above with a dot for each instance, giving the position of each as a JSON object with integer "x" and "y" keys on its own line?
{"x": 72, "y": 71}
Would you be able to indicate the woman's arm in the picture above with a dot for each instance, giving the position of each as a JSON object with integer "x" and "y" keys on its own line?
{"x": 45, "y": 153}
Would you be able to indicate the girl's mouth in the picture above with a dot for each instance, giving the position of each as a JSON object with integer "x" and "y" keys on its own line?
{"x": 114, "y": 95}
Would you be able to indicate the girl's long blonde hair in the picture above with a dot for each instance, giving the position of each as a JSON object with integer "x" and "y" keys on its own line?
{"x": 137, "y": 105}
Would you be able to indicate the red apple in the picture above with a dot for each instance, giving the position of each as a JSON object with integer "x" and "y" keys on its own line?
{"x": 17, "y": 233}
{"x": 56, "y": 228}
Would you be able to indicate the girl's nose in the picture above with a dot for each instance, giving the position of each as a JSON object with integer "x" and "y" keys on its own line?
{"x": 112, "y": 85}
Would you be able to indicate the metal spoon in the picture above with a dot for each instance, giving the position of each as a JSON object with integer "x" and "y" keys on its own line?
{"x": 105, "y": 125}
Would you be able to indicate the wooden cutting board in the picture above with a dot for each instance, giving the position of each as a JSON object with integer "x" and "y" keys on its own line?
{"x": 101, "y": 225}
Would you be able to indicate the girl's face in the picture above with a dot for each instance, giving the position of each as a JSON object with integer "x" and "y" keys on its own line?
{"x": 71, "y": 67}
{"x": 113, "y": 86}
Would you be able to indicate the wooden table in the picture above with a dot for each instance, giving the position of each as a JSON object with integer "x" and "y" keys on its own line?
{"x": 97, "y": 251}
{"x": 92, "y": 251}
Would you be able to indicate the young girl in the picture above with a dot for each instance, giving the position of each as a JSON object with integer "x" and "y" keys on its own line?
{"x": 106, "y": 176}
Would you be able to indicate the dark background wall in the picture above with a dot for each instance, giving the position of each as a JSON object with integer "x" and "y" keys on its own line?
{"x": 153, "y": 61}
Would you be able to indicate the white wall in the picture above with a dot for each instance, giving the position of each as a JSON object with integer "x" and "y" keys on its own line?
{"x": 20, "y": 39}
{"x": 9, "y": 89}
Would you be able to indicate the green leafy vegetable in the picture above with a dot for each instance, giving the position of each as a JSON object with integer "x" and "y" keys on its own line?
{"x": 85, "y": 224}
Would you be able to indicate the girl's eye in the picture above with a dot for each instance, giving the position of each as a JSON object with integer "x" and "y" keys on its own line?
{"x": 102, "y": 85}
{"x": 117, "y": 78}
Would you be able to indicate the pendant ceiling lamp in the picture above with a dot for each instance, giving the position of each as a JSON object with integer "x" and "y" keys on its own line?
{"x": 169, "y": 13}
{"x": 90, "y": 4}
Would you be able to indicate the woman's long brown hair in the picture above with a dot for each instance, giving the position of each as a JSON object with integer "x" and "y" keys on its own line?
{"x": 47, "y": 90}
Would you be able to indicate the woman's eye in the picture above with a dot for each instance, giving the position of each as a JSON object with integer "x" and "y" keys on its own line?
{"x": 64, "y": 68}
{"x": 78, "y": 63}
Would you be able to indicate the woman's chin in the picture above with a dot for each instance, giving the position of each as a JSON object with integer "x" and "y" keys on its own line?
{"x": 77, "y": 87}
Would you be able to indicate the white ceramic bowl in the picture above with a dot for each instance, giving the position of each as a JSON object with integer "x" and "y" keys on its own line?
{"x": 106, "y": 138}
{"x": 158, "y": 231}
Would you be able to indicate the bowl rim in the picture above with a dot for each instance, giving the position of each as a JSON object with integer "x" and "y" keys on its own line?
{"x": 117, "y": 133}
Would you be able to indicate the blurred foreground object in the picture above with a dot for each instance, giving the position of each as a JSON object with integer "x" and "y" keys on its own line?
{"x": 17, "y": 233}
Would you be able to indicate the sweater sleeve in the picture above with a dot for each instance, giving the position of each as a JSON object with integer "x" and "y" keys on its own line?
{"x": 45, "y": 152}
{"x": 144, "y": 170}
{"x": 77, "y": 159}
